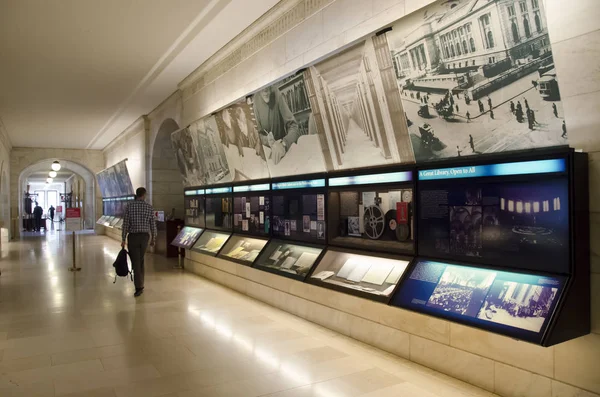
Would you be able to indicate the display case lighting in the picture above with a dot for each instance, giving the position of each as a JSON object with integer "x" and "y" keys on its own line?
{"x": 536, "y": 207}
{"x": 528, "y": 207}
{"x": 511, "y": 206}
{"x": 519, "y": 207}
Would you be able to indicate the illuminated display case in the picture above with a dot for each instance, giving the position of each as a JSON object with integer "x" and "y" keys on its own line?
{"x": 219, "y": 208}
{"x": 194, "y": 208}
{"x": 519, "y": 305}
{"x": 252, "y": 209}
{"x": 298, "y": 208}
{"x": 373, "y": 277}
{"x": 372, "y": 210}
{"x": 503, "y": 245}
{"x": 102, "y": 220}
{"x": 114, "y": 220}
{"x": 289, "y": 259}
{"x": 109, "y": 220}
{"x": 211, "y": 242}
{"x": 119, "y": 224}
{"x": 187, "y": 237}
{"x": 243, "y": 249}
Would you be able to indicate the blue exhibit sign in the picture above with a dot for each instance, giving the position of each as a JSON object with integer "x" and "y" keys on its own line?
{"x": 194, "y": 192}
{"x": 299, "y": 184}
{"x": 217, "y": 190}
{"x": 502, "y": 169}
{"x": 251, "y": 188}
{"x": 390, "y": 177}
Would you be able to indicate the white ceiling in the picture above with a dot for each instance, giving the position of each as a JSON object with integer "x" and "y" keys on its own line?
{"x": 76, "y": 73}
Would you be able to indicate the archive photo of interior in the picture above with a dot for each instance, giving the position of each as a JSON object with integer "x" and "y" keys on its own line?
{"x": 299, "y": 198}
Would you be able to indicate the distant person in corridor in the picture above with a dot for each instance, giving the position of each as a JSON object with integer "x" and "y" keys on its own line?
{"x": 139, "y": 228}
{"x": 37, "y": 217}
{"x": 277, "y": 127}
{"x": 51, "y": 211}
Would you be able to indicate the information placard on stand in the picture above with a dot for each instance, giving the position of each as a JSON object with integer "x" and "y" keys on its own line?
{"x": 73, "y": 220}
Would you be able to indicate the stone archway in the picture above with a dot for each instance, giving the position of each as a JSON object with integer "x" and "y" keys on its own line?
{"x": 89, "y": 196}
{"x": 166, "y": 185}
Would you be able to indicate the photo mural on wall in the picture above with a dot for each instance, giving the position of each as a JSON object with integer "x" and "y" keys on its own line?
{"x": 115, "y": 181}
{"x": 185, "y": 143}
{"x": 477, "y": 76}
{"x": 359, "y": 103}
{"x": 287, "y": 129}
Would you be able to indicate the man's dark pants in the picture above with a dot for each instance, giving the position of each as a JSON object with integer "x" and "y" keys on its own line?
{"x": 138, "y": 244}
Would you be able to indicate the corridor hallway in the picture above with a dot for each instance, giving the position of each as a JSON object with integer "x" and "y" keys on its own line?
{"x": 78, "y": 334}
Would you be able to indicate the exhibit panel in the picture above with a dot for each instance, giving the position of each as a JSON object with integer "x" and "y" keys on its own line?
{"x": 372, "y": 211}
{"x": 293, "y": 260}
{"x": 511, "y": 214}
{"x": 218, "y": 207}
{"x": 194, "y": 208}
{"x": 243, "y": 249}
{"x": 298, "y": 209}
{"x": 371, "y": 276}
{"x": 211, "y": 242}
{"x": 252, "y": 209}
{"x": 115, "y": 181}
{"x": 519, "y": 305}
{"x": 186, "y": 237}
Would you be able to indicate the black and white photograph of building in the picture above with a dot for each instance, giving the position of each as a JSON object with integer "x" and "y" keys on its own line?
{"x": 363, "y": 123}
{"x": 477, "y": 76}
{"x": 216, "y": 169}
{"x": 185, "y": 143}
{"x": 518, "y": 305}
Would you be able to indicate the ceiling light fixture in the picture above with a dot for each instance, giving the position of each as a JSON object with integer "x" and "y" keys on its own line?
{"x": 49, "y": 180}
{"x": 56, "y": 166}
{"x": 52, "y": 174}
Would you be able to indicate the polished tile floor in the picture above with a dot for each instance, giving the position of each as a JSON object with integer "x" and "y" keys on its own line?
{"x": 66, "y": 334}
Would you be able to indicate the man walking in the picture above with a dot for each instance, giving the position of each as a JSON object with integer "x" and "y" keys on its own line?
{"x": 139, "y": 228}
{"x": 37, "y": 217}
{"x": 554, "y": 110}
{"x": 51, "y": 211}
{"x": 471, "y": 143}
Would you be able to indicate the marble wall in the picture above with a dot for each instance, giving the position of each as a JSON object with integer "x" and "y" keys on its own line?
{"x": 508, "y": 367}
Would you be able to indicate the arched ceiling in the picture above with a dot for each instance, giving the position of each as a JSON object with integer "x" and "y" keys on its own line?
{"x": 76, "y": 73}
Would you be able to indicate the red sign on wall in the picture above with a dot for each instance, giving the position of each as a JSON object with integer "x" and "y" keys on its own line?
{"x": 73, "y": 212}
{"x": 59, "y": 208}
{"x": 402, "y": 213}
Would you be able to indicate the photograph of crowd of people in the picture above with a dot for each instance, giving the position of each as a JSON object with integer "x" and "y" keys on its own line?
{"x": 185, "y": 143}
{"x": 461, "y": 290}
{"x": 477, "y": 77}
{"x": 518, "y": 305}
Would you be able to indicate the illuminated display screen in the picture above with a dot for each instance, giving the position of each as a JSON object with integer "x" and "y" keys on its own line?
{"x": 503, "y": 169}
{"x": 187, "y": 237}
{"x": 518, "y": 224}
{"x": 218, "y": 190}
{"x": 299, "y": 184}
{"x": 391, "y": 177}
{"x": 251, "y": 188}
{"x": 194, "y": 192}
{"x": 516, "y": 304}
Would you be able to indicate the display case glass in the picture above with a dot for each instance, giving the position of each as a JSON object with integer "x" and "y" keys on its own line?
{"x": 113, "y": 221}
{"x": 194, "y": 208}
{"x": 252, "y": 209}
{"x": 108, "y": 220}
{"x": 298, "y": 209}
{"x": 219, "y": 208}
{"x": 505, "y": 214}
{"x": 119, "y": 224}
{"x": 372, "y": 211}
{"x": 211, "y": 242}
{"x": 102, "y": 220}
{"x": 373, "y": 277}
{"x": 243, "y": 249}
{"x": 518, "y": 305}
{"x": 187, "y": 237}
{"x": 288, "y": 259}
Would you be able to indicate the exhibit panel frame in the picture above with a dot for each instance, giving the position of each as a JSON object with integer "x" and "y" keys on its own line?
{"x": 289, "y": 259}
{"x": 211, "y": 242}
{"x": 373, "y": 209}
{"x": 299, "y": 209}
{"x": 187, "y": 237}
{"x": 252, "y": 208}
{"x": 243, "y": 249}
{"x": 194, "y": 208}
{"x": 377, "y": 281}
{"x": 218, "y": 208}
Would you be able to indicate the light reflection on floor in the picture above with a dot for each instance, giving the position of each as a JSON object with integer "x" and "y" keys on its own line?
{"x": 78, "y": 334}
